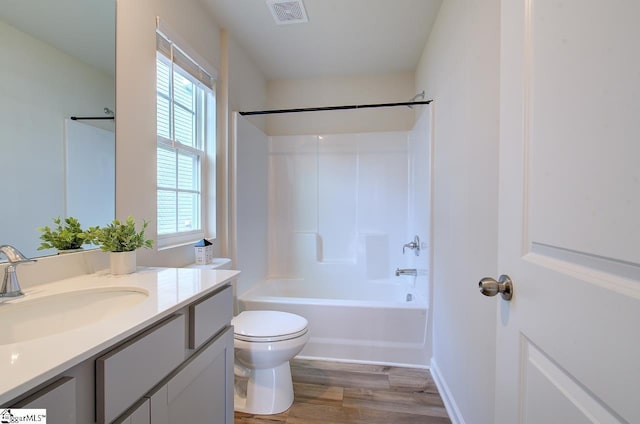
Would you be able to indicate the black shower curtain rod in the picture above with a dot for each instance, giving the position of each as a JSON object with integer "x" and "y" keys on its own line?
{"x": 316, "y": 109}
{"x": 83, "y": 118}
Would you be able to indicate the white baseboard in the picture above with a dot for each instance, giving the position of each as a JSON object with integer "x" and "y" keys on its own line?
{"x": 358, "y": 361}
{"x": 445, "y": 394}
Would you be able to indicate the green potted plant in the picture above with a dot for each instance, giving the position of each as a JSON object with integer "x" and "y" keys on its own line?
{"x": 66, "y": 236}
{"x": 121, "y": 239}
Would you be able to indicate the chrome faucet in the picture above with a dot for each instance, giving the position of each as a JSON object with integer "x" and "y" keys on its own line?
{"x": 10, "y": 286}
{"x": 413, "y": 245}
{"x": 406, "y": 271}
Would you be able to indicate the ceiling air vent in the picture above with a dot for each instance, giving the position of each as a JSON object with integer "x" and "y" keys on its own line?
{"x": 288, "y": 11}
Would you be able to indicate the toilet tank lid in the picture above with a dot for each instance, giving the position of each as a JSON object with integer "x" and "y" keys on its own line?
{"x": 267, "y": 323}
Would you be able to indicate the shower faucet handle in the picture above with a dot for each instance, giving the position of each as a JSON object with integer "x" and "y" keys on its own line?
{"x": 413, "y": 245}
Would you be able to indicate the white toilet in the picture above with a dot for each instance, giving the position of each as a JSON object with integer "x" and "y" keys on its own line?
{"x": 264, "y": 342}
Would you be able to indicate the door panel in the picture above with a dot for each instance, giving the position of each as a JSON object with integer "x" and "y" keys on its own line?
{"x": 583, "y": 115}
{"x": 569, "y": 209}
{"x": 552, "y": 395}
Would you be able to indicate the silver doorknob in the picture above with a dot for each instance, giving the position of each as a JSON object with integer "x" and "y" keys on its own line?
{"x": 490, "y": 287}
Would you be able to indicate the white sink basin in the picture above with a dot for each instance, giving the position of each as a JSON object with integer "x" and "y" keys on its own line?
{"x": 31, "y": 318}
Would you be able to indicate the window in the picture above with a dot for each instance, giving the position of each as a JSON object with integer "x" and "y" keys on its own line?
{"x": 185, "y": 131}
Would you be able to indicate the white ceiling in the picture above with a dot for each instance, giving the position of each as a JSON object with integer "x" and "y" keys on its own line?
{"x": 342, "y": 37}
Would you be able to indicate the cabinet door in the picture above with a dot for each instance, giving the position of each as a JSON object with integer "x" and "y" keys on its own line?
{"x": 201, "y": 391}
{"x": 141, "y": 414}
{"x": 58, "y": 398}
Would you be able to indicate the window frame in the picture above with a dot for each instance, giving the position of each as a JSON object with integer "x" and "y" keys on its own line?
{"x": 204, "y": 136}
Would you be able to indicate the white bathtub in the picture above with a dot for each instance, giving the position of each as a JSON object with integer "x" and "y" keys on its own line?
{"x": 366, "y": 322}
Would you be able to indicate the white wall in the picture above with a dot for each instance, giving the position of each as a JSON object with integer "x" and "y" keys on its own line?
{"x": 40, "y": 86}
{"x": 247, "y": 85}
{"x": 136, "y": 97}
{"x": 337, "y": 91}
{"x": 459, "y": 70}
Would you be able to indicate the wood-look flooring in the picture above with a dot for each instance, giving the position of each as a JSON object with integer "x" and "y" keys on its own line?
{"x": 339, "y": 393}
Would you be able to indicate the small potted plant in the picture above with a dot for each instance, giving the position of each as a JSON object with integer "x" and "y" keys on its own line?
{"x": 67, "y": 236}
{"x": 121, "y": 239}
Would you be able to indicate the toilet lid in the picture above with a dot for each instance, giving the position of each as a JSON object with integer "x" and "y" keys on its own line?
{"x": 268, "y": 325}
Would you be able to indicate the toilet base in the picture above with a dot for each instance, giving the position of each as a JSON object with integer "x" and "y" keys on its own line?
{"x": 268, "y": 391}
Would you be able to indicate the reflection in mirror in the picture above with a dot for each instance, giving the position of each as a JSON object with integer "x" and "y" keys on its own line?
{"x": 58, "y": 61}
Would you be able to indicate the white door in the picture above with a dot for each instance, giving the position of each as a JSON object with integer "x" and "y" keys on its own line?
{"x": 568, "y": 344}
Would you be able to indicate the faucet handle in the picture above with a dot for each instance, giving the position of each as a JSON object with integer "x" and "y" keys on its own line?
{"x": 413, "y": 245}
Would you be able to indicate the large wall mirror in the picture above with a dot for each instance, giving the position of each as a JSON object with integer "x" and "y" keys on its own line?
{"x": 58, "y": 62}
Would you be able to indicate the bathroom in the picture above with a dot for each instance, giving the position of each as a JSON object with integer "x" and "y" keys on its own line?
{"x": 456, "y": 216}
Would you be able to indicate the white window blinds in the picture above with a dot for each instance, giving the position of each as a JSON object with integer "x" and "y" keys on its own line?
{"x": 182, "y": 59}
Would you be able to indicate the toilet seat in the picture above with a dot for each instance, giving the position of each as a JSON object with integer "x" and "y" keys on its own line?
{"x": 268, "y": 326}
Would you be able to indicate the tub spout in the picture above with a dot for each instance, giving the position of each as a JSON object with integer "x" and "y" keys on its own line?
{"x": 406, "y": 271}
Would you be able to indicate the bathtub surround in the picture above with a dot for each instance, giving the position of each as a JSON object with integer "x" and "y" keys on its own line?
{"x": 338, "y": 205}
{"x": 340, "y": 208}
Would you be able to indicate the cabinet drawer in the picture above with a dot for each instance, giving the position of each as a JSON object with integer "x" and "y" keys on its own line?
{"x": 209, "y": 316}
{"x": 128, "y": 372}
{"x": 58, "y": 398}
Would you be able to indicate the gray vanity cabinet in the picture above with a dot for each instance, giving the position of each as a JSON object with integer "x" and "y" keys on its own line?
{"x": 201, "y": 390}
{"x": 58, "y": 398}
{"x": 179, "y": 369}
{"x": 182, "y": 365}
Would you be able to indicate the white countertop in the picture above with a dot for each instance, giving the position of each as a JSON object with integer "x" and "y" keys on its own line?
{"x": 27, "y": 364}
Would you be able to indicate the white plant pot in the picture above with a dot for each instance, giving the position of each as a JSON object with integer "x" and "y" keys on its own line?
{"x": 122, "y": 262}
